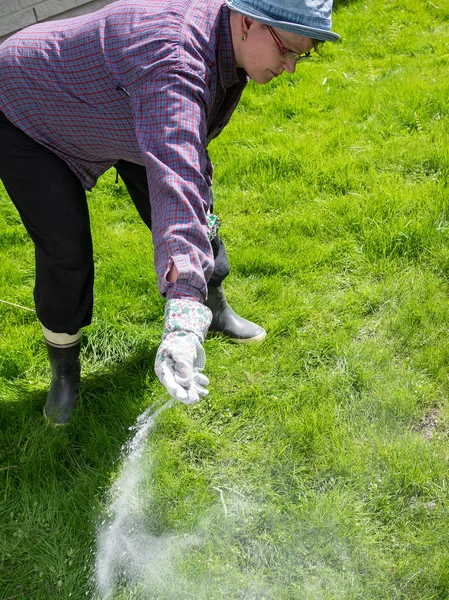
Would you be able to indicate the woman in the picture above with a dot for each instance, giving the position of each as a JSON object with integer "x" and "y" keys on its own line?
{"x": 143, "y": 86}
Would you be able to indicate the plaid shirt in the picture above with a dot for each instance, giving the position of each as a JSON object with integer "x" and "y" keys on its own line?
{"x": 150, "y": 82}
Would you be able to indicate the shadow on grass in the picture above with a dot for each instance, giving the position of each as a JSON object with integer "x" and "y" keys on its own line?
{"x": 53, "y": 479}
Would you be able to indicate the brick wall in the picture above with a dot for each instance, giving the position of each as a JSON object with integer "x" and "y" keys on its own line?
{"x": 17, "y": 14}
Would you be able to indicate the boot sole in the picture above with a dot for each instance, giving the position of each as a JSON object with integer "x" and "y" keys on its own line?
{"x": 257, "y": 339}
{"x": 51, "y": 422}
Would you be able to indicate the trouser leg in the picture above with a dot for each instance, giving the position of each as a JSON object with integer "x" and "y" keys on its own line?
{"x": 52, "y": 204}
{"x": 53, "y": 208}
{"x": 221, "y": 263}
{"x": 135, "y": 179}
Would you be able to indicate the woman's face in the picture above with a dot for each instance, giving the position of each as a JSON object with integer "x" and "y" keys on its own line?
{"x": 260, "y": 54}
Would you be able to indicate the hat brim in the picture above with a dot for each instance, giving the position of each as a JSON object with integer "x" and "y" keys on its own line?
{"x": 311, "y": 32}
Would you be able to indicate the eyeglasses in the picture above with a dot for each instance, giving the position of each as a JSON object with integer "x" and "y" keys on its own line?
{"x": 286, "y": 53}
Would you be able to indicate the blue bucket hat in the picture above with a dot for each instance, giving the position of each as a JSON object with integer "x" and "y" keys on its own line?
{"x": 310, "y": 18}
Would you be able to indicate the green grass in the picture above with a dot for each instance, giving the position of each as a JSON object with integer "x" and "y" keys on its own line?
{"x": 332, "y": 185}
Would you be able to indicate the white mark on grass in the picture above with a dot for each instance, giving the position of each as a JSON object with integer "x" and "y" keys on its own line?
{"x": 256, "y": 553}
{"x": 222, "y": 500}
{"x": 124, "y": 548}
{"x": 132, "y": 562}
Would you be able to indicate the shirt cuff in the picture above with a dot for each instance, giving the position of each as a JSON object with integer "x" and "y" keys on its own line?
{"x": 184, "y": 291}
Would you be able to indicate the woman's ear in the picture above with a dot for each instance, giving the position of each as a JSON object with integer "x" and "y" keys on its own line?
{"x": 247, "y": 23}
{"x": 240, "y": 26}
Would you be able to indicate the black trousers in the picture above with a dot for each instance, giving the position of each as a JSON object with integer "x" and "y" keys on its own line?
{"x": 53, "y": 207}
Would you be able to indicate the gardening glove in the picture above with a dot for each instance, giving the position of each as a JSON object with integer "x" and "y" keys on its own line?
{"x": 180, "y": 357}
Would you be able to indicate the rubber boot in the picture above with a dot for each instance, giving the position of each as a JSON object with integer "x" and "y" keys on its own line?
{"x": 227, "y": 322}
{"x": 65, "y": 383}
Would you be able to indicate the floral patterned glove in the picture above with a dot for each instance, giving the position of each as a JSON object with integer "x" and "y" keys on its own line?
{"x": 181, "y": 356}
{"x": 213, "y": 225}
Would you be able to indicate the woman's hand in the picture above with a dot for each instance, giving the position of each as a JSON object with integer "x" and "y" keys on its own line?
{"x": 180, "y": 357}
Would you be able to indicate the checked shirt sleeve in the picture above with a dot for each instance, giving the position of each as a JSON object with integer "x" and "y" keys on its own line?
{"x": 170, "y": 121}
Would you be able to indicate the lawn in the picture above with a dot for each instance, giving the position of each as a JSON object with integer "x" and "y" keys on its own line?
{"x": 318, "y": 466}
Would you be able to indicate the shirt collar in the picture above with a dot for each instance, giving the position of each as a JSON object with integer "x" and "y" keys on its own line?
{"x": 230, "y": 74}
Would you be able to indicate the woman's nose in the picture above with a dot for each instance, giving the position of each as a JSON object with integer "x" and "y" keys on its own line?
{"x": 290, "y": 65}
